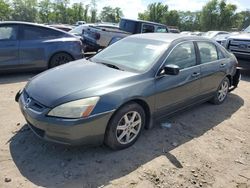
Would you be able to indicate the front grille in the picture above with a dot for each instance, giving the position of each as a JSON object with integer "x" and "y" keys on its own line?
{"x": 239, "y": 46}
{"x": 29, "y": 102}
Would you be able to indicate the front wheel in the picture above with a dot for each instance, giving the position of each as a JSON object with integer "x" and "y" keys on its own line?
{"x": 221, "y": 93}
{"x": 125, "y": 126}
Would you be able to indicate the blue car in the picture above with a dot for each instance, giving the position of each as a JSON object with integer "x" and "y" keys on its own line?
{"x": 25, "y": 46}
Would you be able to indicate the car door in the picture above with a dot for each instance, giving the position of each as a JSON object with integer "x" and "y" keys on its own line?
{"x": 9, "y": 46}
{"x": 213, "y": 66}
{"x": 33, "y": 46}
{"x": 175, "y": 91}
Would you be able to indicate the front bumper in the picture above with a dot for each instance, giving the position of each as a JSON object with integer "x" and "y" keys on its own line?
{"x": 89, "y": 131}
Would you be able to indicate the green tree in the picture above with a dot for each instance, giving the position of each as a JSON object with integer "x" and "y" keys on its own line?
{"x": 44, "y": 9}
{"x": 189, "y": 21}
{"x": 93, "y": 11}
{"x": 156, "y": 12}
{"x": 25, "y": 10}
{"x": 242, "y": 20}
{"x": 77, "y": 12}
{"x": 60, "y": 13}
{"x": 217, "y": 15}
{"x": 86, "y": 11}
{"x": 172, "y": 18}
{"x": 109, "y": 14}
{"x": 5, "y": 10}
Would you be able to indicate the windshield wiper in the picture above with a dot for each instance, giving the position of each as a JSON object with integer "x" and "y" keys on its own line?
{"x": 111, "y": 66}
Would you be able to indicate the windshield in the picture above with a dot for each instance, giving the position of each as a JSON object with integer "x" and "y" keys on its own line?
{"x": 247, "y": 29}
{"x": 132, "y": 54}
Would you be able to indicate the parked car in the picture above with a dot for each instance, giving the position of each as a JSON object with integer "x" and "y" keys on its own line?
{"x": 173, "y": 30}
{"x": 63, "y": 27}
{"x": 213, "y": 34}
{"x": 98, "y": 38}
{"x": 239, "y": 44}
{"x": 186, "y": 33}
{"x": 118, "y": 92}
{"x": 78, "y": 30}
{"x": 25, "y": 46}
{"x": 80, "y": 23}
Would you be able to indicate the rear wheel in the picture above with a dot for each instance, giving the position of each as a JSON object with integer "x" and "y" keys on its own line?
{"x": 221, "y": 93}
{"x": 125, "y": 127}
{"x": 60, "y": 59}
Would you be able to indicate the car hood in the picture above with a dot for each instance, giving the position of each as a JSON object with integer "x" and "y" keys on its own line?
{"x": 242, "y": 36}
{"x": 59, "y": 84}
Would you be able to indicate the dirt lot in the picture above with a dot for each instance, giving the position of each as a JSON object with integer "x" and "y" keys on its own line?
{"x": 206, "y": 146}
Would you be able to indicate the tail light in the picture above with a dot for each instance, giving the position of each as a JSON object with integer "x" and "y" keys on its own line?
{"x": 97, "y": 36}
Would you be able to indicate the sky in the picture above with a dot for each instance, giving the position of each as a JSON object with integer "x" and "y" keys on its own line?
{"x": 131, "y": 8}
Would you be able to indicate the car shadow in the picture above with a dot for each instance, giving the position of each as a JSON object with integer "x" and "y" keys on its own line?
{"x": 52, "y": 165}
{"x": 8, "y": 78}
{"x": 245, "y": 75}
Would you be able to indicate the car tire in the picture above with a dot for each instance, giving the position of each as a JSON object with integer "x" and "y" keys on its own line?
{"x": 60, "y": 59}
{"x": 221, "y": 93}
{"x": 125, "y": 126}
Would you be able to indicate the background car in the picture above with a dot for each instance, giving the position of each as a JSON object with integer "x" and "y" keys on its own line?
{"x": 173, "y": 30}
{"x": 26, "y": 46}
{"x": 118, "y": 92}
{"x": 214, "y": 34}
{"x": 239, "y": 45}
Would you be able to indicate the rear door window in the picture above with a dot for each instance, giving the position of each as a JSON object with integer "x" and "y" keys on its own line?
{"x": 183, "y": 55}
{"x": 8, "y": 32}
{"x": 161, "y": 29}
{"x": 146, "y": 28}
{"x": 208, "y": 52}
{"x": 36, "y": 33}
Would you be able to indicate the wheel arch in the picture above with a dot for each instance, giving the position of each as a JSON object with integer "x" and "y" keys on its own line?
{"x": 230, "y": 79}
{"x": 143, "y": 104}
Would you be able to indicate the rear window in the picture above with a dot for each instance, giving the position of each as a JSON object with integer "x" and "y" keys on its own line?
{"x": 36, "y": 33}
{"x": 128, "y": 26}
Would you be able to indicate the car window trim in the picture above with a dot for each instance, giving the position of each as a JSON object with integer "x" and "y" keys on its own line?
{"x": 160, "y": 67}
{"x": 22, "y": 37}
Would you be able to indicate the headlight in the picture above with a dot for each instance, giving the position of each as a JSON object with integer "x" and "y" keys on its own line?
{"x": 75, "y": 109}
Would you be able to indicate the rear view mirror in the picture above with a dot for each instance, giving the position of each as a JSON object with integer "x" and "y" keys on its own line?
{"x": 172, "y": 69}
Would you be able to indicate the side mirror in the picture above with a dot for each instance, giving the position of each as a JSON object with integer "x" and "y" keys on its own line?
{"x": 171, "y": 69}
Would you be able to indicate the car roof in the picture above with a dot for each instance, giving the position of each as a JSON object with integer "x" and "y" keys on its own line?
{"x": 35, "y": 24}
{"x": 167, "y": 37}
{"x": 143, "y": 21}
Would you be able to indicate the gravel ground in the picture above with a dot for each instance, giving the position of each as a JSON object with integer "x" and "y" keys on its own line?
{"x": 206, "y": 146}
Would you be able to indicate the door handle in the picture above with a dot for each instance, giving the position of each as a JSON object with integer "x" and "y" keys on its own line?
{"x": 195, "y": 74}
{"x": 222, "y": 65}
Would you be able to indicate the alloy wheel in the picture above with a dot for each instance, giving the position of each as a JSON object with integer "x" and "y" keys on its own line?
{"x": 222, "y": 93}
{"x": 128, "y": 127}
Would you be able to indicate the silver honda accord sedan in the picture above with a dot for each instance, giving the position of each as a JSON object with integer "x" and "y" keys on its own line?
{"x": 111, "y": 97}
